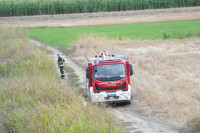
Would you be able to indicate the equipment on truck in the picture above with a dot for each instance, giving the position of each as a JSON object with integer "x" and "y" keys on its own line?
{"x": 108, "y": 78}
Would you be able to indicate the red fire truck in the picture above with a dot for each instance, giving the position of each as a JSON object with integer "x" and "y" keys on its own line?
{"x": 108, "y": 78}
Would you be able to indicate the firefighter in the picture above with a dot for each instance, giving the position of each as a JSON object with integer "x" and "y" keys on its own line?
{"x": 61, "y": 65}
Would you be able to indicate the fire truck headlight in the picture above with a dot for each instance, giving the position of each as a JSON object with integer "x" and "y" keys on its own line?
{"x": 123, "y": 94}
{"x": 127, "y": 96}
{"x": 95, "y": 96}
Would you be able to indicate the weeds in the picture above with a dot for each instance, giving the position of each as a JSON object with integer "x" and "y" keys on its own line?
{"x": 72, "y": 77}
{"x": 180, "y": 35}
{"x": 32, "y": 99}
{"x": 166, "y": 74}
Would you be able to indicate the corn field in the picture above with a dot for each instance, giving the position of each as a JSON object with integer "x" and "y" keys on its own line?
{"x": 40, "y": 7}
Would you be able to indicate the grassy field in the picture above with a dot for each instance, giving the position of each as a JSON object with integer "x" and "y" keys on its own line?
{"x": 166, "y": 75}
{"x": 165, "y": 71}
{"x": 32, "y": 98}
{"x": 63, "y": 37}
{"x": 38, "y": 7}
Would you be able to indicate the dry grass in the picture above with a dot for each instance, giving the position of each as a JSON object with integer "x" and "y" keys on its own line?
{"x": 32, "y": 99}
{"x": 166, "y": 73}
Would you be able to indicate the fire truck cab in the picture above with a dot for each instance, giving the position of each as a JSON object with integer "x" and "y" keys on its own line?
{"x": 108, "y": 78}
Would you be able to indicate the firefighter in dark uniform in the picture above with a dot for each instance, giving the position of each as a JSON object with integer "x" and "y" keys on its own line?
{"x": 61, "y": 65}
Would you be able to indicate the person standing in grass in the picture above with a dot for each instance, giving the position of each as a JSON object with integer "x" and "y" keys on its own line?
{"x": 61, "y": 65}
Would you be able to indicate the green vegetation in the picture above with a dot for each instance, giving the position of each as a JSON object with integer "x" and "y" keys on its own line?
{"x": 38, "y": 7}
{"x": 63, "y": 37}
{"x": 32, "y": 99}
{"x": 72, "y": 77}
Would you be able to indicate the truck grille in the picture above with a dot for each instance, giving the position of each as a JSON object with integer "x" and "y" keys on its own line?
{"x": 112, "y": 88}
{"x": 108, "y": 98}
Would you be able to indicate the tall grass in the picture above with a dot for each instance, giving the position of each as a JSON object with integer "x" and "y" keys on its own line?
{"x": 39, "y": 7}
{"x": 32, "y": 99}
{"x": 166, "y": 75}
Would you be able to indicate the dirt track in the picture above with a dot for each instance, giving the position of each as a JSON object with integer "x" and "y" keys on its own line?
{"x": 133, "y": 121}
{"x": 165, "y": 83}
{"x": 104, "y": 18}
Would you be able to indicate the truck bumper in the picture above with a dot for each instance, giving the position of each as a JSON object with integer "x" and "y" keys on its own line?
{"x": 114, "y": 96}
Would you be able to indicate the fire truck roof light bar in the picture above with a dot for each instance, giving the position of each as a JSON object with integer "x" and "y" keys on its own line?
{"x": 104, "y": 57}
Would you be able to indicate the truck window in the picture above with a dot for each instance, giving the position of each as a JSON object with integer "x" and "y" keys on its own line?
{"x": 109, "y": 72}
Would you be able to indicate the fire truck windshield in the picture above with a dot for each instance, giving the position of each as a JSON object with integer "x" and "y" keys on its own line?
{"x": 109, "y": 72}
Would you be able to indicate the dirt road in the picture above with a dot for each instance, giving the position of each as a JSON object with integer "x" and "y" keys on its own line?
{"x": 131, "y": 120}
{"x": 166, "y": 76}
{"x": 103, "y": 18}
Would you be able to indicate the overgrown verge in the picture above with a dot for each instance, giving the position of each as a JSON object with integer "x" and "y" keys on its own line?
{"x": 72, "y": 77}
{"x": 32, "y": 98}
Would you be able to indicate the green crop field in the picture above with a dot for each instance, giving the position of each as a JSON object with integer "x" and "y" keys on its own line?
{"x": 63, "y": 37}
{"x": 38, "y": 7}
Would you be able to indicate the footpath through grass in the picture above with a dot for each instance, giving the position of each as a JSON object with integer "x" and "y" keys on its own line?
{"x": 32, "y": 98}
{"x": 63, "y": 37}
